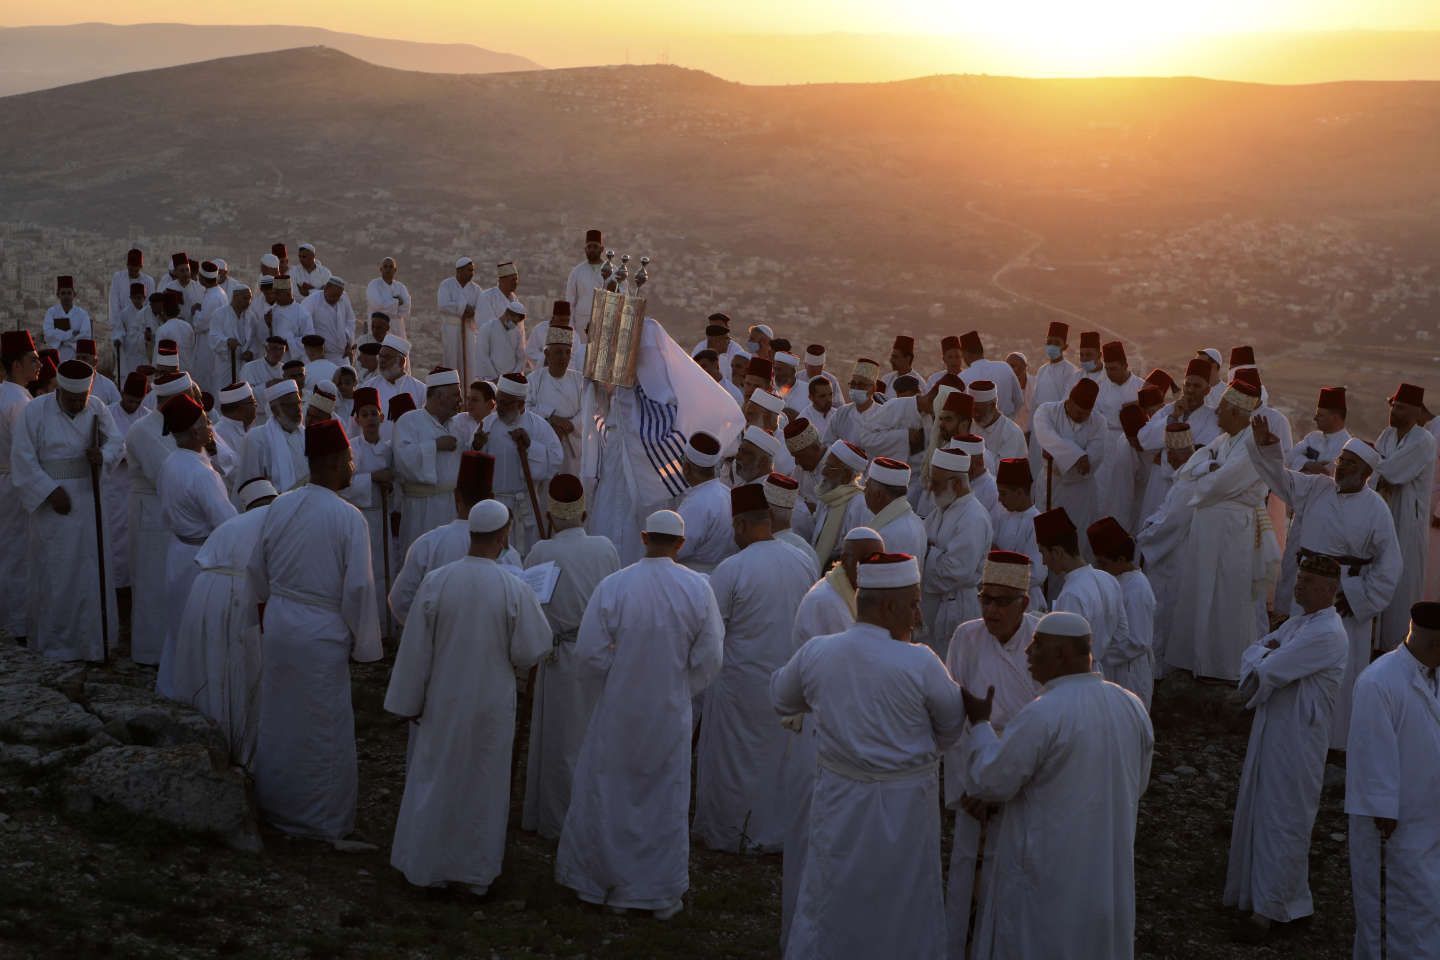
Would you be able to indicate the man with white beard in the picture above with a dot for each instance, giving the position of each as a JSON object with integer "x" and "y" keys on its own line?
{"x": 1339, "y": 517}
{"x": 21, "y": 366}
{"x": 385, "y": 294}
{"x": 561, "y": 705}
{"x": 317, "y": 616}
{"x": 871, "y": 877}
{"x": 289, "y": 318}
{"x": 393, "y": 376}
{"x": 705, "y": 507}
{"x": 754, "y": 457}
{"x": 585, "y": 277}
{"x": 957, "y": 535}
{"x": 652, "y": 626}
{"x": 507, "y": 434}
{"x": 1068, "y": 444}
{"x": 841, "y": 505}
{"x": 1080, "y": 737}
{"x": 1404, "y": 478}
{"x": 193, "y": 502}
{"x": 1392, "y": 778}
{"x": 739, "y": 800}
{"x": 426, "y": 444}
{"x": 828, "y": 607}
{"x": 1290, "y": 678}
{"x": 556, "y": 394}
{"x": 887, "y": 482}
{"x": 217, "y": 661}
{"x": 475, "y": 625}
{"x": 276, "y": 449}
{"x": 988, "y": 652}
{"x": 57, "y": 440}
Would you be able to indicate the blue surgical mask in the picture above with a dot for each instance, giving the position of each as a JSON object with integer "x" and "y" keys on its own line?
{"x": 1053, "y": 352}
{"x": 754, "y": 347}
{"x": 859, "y": 396}
{"x": 1092, "y": 366}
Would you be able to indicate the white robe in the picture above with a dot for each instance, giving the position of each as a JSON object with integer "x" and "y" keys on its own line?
{"x": 364, "y": 493}
{"x": 883, "y": 711}
{"x": 1203, "y": 427}
{"x": 1003, "y": 440}
{"x": 544, "y": 456}
{"x": 1292, "y": 690}
{"x": 335, "y": 322}
{"x": 451, "y": 299}
{"x": 119, "y": 297}
{"x": 389, "y": 389}
{"x": 903, "y": 532}
{"x": 312, "y": 570}
{"x": 552, "y": 397}
{"x": 426, "y": 475}
{"x": 48, "y": 452}
{"x": 1081, "y": 737}
{"x": 1009, "y": 395}
{"x": 276, "y": 454}
{"x": 501, "y": 349}
{"x": 391, "y": 299}
{"x": 291, "y": 321}
{"x": 1140, "y": 621}
{"x": 1115, "y": 480}
{"x": 475, "y": 623}
{"x": 1393, "y": 770}
{"x": 881, "y": 429}
{"x": 128, "y": 326}
{"x": 217, "y": 661}
{"x": 1119, "y": 656}
{"x": 709, "y": 539}
{"x": 977, "y": 660}
{"x": 193, "y": 502}
{"x": 739, "y": 795}
{"x": 314, "y": 279}
{"x": 560, "y": 710}
{"x": 1054, "y": 433}
{"x": 1408, "y": 466}
{"x": 958, "y": 539}
{"x": 1016, "y": 532}
{"x": 431, "y": 551}
{"x": 146, "y": 449}
{"x": 580, "y": 288}
{"x": 14, "y": 519}
{"x": 652, "y": 626}
{"x": 64, "y": 340}
{"x": 1053, "y": 382}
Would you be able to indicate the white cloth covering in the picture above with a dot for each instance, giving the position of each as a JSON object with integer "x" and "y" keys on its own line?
{"x": 1081, "y": 737}
{"x": 1053, "y": 381}
{"x": 14, "y": 519}
{"x": 653, "y": 626}
{"x": 391, "y": 299}
{"x": 1392, "y": 770}
{"x": 1408, "y": 472}
{"x": 64, "y": 340}
{"x": 1066, "y": 442}
{"x": 426, "y": 474}
{"x": 739, "y": 795}
{"x": 544, "y": 456}
{"x": 1119, "y": 655}
{"x": 1292, "y": 689}
{"x": 431, "y": 551}
{"x": 115, "y": 497}
{"x": 1139, "y": 597}
{"x": 452, "y": 299}
{"x": 560, "y": 398}
{"x": 335, "y": 322}
{"x": 475, "y": 623}
{"x": 580, "y": 292}
{"x": 958, "y": 538}
{"x": 276, "y": 454}
{"x": 1015, "y": 531}
{"x": 318, "y": 613}
{"x": 1009, "y": 396}
{"x": 560, "y": 709}
{"x": 146, "y": 449}
{"x": 705, "y": 508}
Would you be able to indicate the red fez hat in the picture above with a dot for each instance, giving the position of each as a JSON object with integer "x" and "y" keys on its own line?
{"x": 1113, "y": 352}
{"x": 1059, "y": 329}
{"x": 137, "y": 289}
{"x": 365, "y": 397}
{"x": 1426, "y": 614}
{"x": 796, "y": 427}
{"x": 179, "y": 259}
{"x": 370, "y": 348}
{"x": 561, "y": 308}
{"x": 173, "y": 298}
{"x": 1198, "y": 367}
{"x": 705, "y": 443}
{"x": 780, "y": 344}
{"x": 719, "y": 318}
{"x": 1331, "y": 398}
{"x": 1132, "y": 418}
{"x": 856, "y": 449}
{"x": 64, "y": 282}
{"x": 961, "y": 403}
{"x": 1177, "y": 427}
{"x": 51, "y": 353}
{"x": 75, "y": 370}
{"x": 949, "y": 343}
{"x": 156, "y": 296}
{"x": 85, "y": 348}
{"x": 1052, "y": 526}
{"x": 169, "y": 376}
{"x": 134, "y": 258}
{"x": 970, "y": 342}
{"x": 951, "y": 380}
{"x": 325, "y": 438}
{"x": 476, "y": 479}
{"x": 136, "y": 385}
{"x": 748, "y": 498}
{"x": 566, "y": 488}
{"x": 1090, "y": 339}
{"x": 1161, "y": 379}
{"x": 594, "y": 236}
{"x": 15, "y": 342}
{"x": 759, "y": 367}
{"x": 47, "y": 370}
{"x": 1013, "y": 472}
{"x": 716, "y": 330}
{"x": 1151, "y": 395}
{"x": 167, "y": 348}
{"x": 905, "y": 345}
{"x": 1084, "y": 392}
{"x": 782, "y": 481}
{"x": 180, "y": 413}
{"x": 145, "y": 369}
{"x": 1248, "y": 375}
{"x": 1242, "y": 356}
{"x": 400, "y": 404}
{"x": 278, "y": 249}
{"x": 1109, "y": 539}
{"x": 1409, "y": 393}
{"x": 207, "y": 400}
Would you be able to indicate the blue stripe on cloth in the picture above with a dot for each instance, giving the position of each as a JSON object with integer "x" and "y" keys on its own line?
{"x": 664, "y": 445}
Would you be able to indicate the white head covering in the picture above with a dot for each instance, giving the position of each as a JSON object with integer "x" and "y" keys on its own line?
{"x": 515, "y": 307}
{"x": 951, "y": 459}
{"x": 1362, "y": 450}
{"x": 281, "y": 388}
{"x": 763, "y": 440}
{"x": 335, "y": 281}
{"x": 976, "y": 447}
{"x": 221, "y": 264}
{"x": 257, "y": 489}
{"x": 1062, "y": 623}
{"x": 891, "y": 476}
{"x": 323, "y": 396}
{"x": 487, "y": 516}
{"x": 666, "y": 522}
{"x": 1214, "y": 355}
{"x": 699, "y": 458}
{"x": 442, "y": 378}
{"x": 767, "y": 401}
{"x": 863, "y": 533}
{"x": 511, "y": 387}
{"x": 888, "y": 575}
{"x": 74, "y": 384}
{"x": 396, "y": 343}
{"x": 765, "y": 329}
{"x": 463, "y": 262}
{"x": 789, "y": 359}
{"x": 307, "y": 246}
{"x": 180, "y": 384}
{"x": 235, "y": 395}
{"x": 271, "y": 261}
{"x": 841, "y": 451}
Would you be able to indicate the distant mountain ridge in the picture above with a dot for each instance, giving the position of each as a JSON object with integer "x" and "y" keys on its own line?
{"x": 38, "y": 58}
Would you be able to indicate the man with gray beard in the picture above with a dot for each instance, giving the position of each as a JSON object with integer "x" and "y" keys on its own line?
{"x": 507, "y": 434}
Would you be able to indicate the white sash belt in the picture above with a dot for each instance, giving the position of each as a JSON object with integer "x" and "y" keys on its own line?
{"x": 424, "y": 490}
{"x": 71, "y": 468}
{"x": 310, "y": 599}
{"x": 851, "y": 772}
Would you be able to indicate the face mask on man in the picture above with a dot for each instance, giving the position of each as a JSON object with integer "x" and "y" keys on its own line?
{"x": 753, "y": 347}
{"x": 1053, "y": 352}
{"x": 1092, "y": 366}
{"x": 859, "y": 396}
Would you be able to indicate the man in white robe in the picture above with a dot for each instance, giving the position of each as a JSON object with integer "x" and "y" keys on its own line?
{"x": 385, "y": 294}
{"x": 957, "y": 536}
{"x": 66, "y": 322}
{"x": 217, "y": 661}
{"x": 501, "y": 343}
{"x": 1003, "y": 437}
{"x": 585, "y": 278}
{"x": 230, "y": 331}
{"x": 1115, "y": 478}
{"x": 289, "y": 318}
{"x": 317, "y": 616}
{"x": 508, "y": 434}
{"x": 1314, "y": 454}
{"x": 1339, "y": 517}
{"x": 653, "y": 626}
{"x": 213, "y": 300}
{"x": 1404, "y": 478}
{"x": 840, "y": 503}
{"x": 782, "y": 492}
{"x": 556, "y": 393}
{"x": 705, "y": 507}
{"x": 122, "y": 283}
{"x": 21, "y": 366}
{"x": 426, "y": 444}
{"x": 739, "y": 795}
{"x": 882, "y": 429}
{"x": 1188, "y": 408}
{"x": 193, "y": 502}
{"x": 115, "y": 489}
{"x": 264, "y": 370}
{"x": 57, "y": 442}
{"x": 1056, "y": 376}
{"x": 132, "y": 330}
{"x": 1009, "y": 395}
{"x": 987, "y": 652}
{"x": 561, "y": 706}
{"x": 1129, "y": 659}
{"x": 1290, "y": 678}
{"x": 1013, "y": 524}
{"x": 392, "y": 376}
{"x": 475, "y": 625}
{"x": 276, "y": 449}
{"x": 456, "y": 300}
{"x": 884, "y": 709}
{"x": 1081, "y": 737}
{"x": 333, "y": 317}
{"x": 1068, "y": 443}
{"x": 887, "y": 483}
{"x": 1392, "y": 777}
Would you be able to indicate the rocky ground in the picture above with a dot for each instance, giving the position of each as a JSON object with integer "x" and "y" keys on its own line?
{"x": 82, "y": 877}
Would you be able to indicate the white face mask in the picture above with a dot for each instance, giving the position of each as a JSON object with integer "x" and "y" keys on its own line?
{"x": 1092, "y": 366}
{"x": 859, "y": 396}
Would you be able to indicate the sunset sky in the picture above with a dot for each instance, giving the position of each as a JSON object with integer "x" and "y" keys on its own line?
{"x": 1035, "y": 37}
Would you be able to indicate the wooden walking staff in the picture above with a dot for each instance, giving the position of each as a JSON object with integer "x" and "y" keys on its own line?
{"x": 232, "y": 361}
{"x": 100, "y": 541}
{"x": 1384, "y": 939}
{"x": 530, "y": 489}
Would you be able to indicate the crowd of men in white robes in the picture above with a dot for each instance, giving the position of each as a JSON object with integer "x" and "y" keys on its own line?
{"x": 876, "y": 597}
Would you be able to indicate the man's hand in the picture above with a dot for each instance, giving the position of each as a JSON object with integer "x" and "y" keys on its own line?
{"x": 562, "y": 427}
{"x": 1272, "y": 644}
{"x": 521, "y": 438}
{"x": 383, "y": 477}
{"x": 1260, "y": 428}
{"x": 976, "y": 709}
{"x": 96, "y": 458}
{"x": 149, "y": 334}
{"x": 232, "y": 343}
{"x": 59, "y": 501}
{"x": 446, "y": 444}
{"x": 468, "y": 314}
{"x": 247, "y": 356}
{"x": 977, "y": 809}
{"x": 1082, "y": 466}
{"x": 1386, "y": 826}
{"x": 1316, "y": 468}
{"x": 1342, "y": 605}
